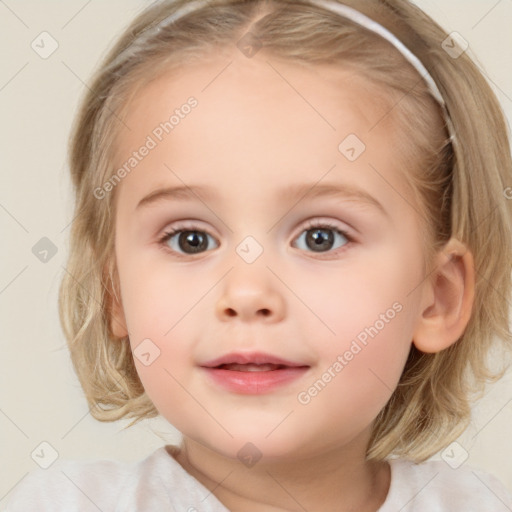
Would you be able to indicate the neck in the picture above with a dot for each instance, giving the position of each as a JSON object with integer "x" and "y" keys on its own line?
{"x": 338, "y": 480}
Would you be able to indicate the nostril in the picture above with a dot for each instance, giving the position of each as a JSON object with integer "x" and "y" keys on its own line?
{"x": 264, "y": 312}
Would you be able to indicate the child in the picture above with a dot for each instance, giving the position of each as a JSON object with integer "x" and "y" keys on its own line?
{"x": 302, "y": 377}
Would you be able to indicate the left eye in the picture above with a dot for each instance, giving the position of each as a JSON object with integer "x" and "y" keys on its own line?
{"x": 321, "y": 237}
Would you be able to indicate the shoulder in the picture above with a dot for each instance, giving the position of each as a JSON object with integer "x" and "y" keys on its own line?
{"x": 69, "y": 485}
{"x": 434, "y": 485}
{"x": 157, "y": 482}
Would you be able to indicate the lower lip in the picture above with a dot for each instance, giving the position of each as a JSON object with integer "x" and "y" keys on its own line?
{"x": 255, "y": 383}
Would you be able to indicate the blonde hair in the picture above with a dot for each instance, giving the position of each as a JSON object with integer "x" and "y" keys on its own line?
{"x": 459, "y": 190}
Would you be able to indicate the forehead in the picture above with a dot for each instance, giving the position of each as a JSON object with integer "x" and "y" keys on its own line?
{"x": 236, "y": 81}
{"x": 255, "y": 121}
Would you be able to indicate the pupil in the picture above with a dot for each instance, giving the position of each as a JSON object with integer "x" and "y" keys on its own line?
{"x": 321, "y": 238}
{"x": 193, "y": 240}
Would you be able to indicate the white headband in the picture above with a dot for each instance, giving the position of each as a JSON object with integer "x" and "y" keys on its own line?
{"x": 362, "y": 20}
{"x": 359, "y": 19}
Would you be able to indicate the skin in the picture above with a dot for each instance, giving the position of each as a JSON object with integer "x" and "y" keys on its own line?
{"x": 250, "y": 136}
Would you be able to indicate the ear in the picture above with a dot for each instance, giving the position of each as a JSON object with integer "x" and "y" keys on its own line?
{"x": 448, "y": 300}
{"x": 115, "y": 312}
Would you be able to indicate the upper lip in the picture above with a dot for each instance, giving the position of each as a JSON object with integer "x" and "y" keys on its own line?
{"x": 248, "y": 358}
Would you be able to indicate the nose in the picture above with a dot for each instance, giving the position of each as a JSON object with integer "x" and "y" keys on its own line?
{"x": 251, "y": 295}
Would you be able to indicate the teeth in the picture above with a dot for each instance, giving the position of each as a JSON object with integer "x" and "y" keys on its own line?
{"x": 251, "y": 367}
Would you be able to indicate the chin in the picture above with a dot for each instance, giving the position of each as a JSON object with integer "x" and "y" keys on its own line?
{"x": 252, "y": 445}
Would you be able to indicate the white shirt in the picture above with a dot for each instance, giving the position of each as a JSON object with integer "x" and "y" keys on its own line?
{"x": 159, "y": 483}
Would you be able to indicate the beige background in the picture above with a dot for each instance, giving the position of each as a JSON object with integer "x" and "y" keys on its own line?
{"x": 40, "y": 398}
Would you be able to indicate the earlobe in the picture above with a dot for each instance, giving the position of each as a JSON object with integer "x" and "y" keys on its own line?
{"x": 450, "y": 292}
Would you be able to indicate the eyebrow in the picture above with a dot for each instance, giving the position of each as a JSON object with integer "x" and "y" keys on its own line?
{"x": 296, "y": 191}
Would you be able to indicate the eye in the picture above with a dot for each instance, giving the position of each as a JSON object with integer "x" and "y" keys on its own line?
{"x": 188, "y": 240}
{"x": 322, "y": 236}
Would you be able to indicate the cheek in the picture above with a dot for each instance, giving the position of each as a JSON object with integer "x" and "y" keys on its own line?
{"x": 357, "y": 379}
{"x": 158, "y": 323}
{"x": 156, "y": 299}
{"x": 371, "y": 314}
{"x": 163, "y": 359}
{"x": 372, "y": 293}
{"x": 154, "y": 306}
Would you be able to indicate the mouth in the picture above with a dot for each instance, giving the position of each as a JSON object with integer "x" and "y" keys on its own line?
{"x": 252, "y": 373}
{"x": 251, "y": 367}
{"x": 251, "y": 362}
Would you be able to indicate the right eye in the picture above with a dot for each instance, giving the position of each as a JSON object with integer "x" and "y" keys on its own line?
{"x": 188, "y": 241}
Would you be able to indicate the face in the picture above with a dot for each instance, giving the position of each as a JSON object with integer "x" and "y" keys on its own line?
{"x": 268, "y": 262}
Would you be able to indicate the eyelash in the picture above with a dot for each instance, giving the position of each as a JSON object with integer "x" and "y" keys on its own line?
{"x": 310, "y": 225}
